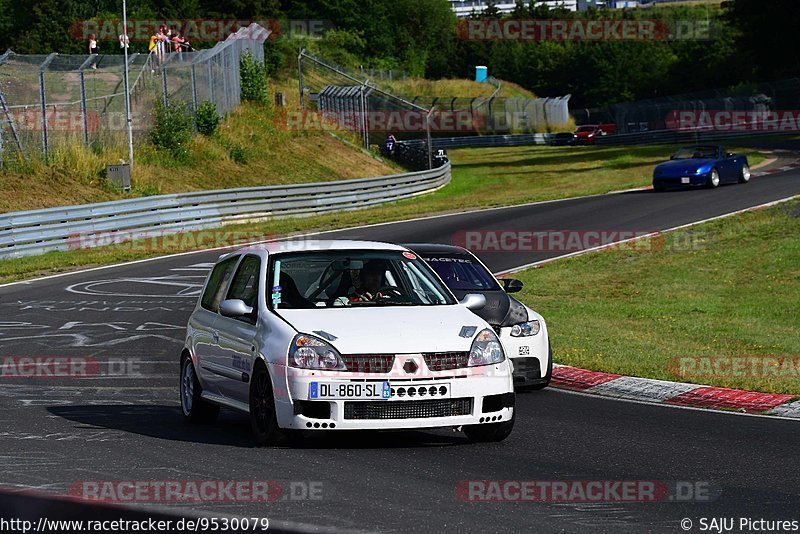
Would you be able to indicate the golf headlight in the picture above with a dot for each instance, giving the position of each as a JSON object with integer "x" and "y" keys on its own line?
{"x": 486, "y": 349}
{"x": 529, "y": 328}
{"x": 309, "y": 352}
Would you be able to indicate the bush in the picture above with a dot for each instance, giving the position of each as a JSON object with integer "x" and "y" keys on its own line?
{"x": 238, "y": 154}
{"x": 253, "y": 77}
{"x": 173, "y": 127}
{"x": 207, "y": 119}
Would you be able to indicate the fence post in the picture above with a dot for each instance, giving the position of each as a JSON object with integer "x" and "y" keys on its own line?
{"x": 210, "y": 64}
{"x": 224, "y": 80}
{"x": 194, "y": 90}
{"x": 300, "y": 78}
{"x": 83, "y": 98}
{"x": 43, "y": 100}
{"x": 364, "y": 122}
{"x": 164, "y": 87}
{"x": 430, "y": 141}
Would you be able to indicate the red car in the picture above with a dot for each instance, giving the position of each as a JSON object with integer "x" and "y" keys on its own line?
{"x": 588, "y": 133}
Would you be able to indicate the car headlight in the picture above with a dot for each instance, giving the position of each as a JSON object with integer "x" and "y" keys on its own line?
{"x": 486, "y": 349}
{"x": 529, "y": 328}
{"x": 309, "y": 352}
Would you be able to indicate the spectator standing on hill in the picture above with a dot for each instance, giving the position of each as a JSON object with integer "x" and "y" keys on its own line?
{"x": 152, "y": 50}
{"x": 161, "y": 44}
{"x": 92, "y": 47}
{"x": 177, "y": 45}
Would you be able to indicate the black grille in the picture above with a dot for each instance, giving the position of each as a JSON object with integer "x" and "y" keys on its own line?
{"x": 407, "y": 409}
{"x": 445, "y": 361}
{"x": 526, "y": 369}
{"x": 368, "y": 363}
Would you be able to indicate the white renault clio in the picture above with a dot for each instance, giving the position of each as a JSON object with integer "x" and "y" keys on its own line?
{"x": 342, "y": 335}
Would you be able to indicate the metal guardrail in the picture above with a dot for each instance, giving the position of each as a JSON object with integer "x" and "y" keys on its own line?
{"x": 654, "y": 137}
{"x": 638, "y": 138}
{"x": 35, "y": 232}
{"x": 483, "y": 141}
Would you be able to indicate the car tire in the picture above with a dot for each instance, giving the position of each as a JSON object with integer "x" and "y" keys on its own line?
{"x": 548, "y": 375}
{"x": 491, "y": 432}
{"x": 263, "y": 419}
{"x": 658, "y": 188}
{"x": 713, "y": 179}
{"x": 744, "y": 174}
{"x": 195, "y": 409}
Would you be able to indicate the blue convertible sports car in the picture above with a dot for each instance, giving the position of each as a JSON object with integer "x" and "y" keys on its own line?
{"x": 704, "y": 166}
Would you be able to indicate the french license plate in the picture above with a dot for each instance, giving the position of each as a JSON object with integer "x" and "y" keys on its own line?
{"x": 349, "y": 390}
{"x": 686, "y": 180}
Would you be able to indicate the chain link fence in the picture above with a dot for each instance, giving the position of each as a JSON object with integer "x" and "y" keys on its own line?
{"x": 347, "y": 101}
{"x": 504, "y": 115}
{"x": 731, "y": 108}
{"x": 49, "y": 100}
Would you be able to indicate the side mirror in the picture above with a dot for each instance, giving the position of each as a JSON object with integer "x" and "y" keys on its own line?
{"x": 474, "y": 301}
{"x": 234, "y": 308}
{"x": 512, "y": 285}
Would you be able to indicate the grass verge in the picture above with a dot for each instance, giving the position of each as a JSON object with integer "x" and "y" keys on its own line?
{"x": 714, "y": 304}
{"x": 481, "y": 178}
{"x": 250, "y": 149}
{"x": 457, "y": 87}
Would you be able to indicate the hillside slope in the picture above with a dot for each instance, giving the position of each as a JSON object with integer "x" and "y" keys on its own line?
{"x": 251, "y": 149}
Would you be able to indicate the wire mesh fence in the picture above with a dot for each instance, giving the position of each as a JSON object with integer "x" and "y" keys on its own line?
{"x": 47, "y": 100}
{"x": 346, "y": 101}
{"x": 767, "y": 107}
{"x": 504, "y": 115}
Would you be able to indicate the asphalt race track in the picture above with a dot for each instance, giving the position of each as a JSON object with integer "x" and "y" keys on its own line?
{"x": 125, "y": 423}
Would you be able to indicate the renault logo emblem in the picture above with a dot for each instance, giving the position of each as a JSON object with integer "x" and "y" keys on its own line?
{"x": 410, "y": 367}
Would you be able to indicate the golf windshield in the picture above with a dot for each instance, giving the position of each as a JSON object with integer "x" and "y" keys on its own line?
{"x": 351, "y": 278}
{"x": 463, "y": 273}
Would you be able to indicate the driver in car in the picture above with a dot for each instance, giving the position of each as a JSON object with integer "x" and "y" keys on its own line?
{"x": 367, "y": 286}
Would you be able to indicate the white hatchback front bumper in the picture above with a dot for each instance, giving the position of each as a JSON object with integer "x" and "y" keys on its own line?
{"x": 424, "y": 399}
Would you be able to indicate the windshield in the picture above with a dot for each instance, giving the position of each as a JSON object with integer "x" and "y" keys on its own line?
{"x": 461, "y": 272}
{"x": 587, "y": 128}
{"x": 350, "y": 278}
{"x": 696, "y": 152}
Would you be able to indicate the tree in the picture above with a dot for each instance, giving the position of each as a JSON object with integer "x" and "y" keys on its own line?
{"x": 765, "y": 35}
